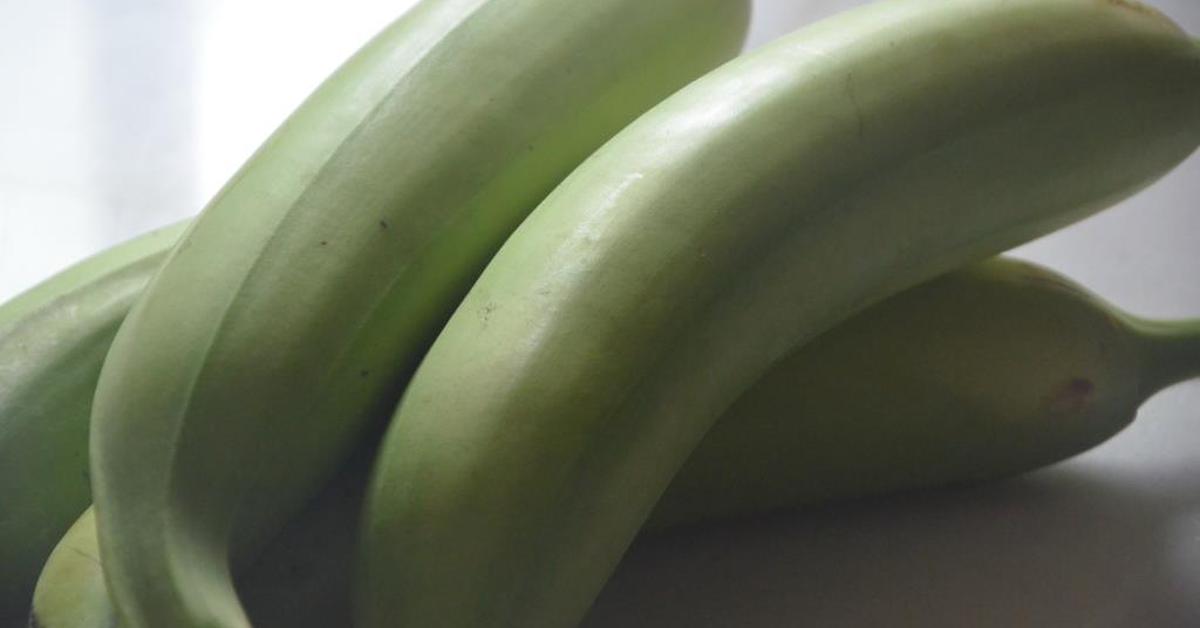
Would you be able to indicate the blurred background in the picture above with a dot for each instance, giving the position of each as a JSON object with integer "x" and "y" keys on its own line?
{"x": 123, "y": 115}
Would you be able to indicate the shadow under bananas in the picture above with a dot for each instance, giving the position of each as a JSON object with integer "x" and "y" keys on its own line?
{"x": 1079, "y": 544}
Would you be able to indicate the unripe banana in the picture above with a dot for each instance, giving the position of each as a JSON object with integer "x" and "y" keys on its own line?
{"x": 306, "y": 292}
{"x": 988, "y": 371}
{"x": 729, "y": 225}
{"x": 52, "y": 342}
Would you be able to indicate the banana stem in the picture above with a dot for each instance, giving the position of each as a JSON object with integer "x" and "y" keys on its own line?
{"x": 1171, "y": 352}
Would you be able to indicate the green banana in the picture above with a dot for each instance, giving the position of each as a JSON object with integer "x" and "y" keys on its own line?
{"x": 992, "y": 370}
{"x": 52, "y": 341}
{"x": 306, "y": 292}
{"x": 738, "y": 219}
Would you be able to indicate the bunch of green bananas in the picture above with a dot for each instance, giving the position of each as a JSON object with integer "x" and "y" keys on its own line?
{"x": 524, "y": 277}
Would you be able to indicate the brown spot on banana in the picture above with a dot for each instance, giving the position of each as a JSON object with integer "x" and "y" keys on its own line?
{"x": 1072, "y": 397}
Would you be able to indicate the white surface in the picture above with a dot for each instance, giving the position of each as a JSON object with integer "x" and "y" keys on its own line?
{"x": 122, "y": 115}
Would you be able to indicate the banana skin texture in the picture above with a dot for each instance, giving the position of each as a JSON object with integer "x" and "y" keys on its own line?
{"x": 71, "y": 590}
{"x": 53, "y": 339}
{"x": 306, "y": 292}
{"x": 988, "y": 371}
{"x": 729, "y": 225}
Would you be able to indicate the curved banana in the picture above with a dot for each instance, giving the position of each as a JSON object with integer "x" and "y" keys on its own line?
{"x": 988, "y": 371}
{"x": 306, "y": 292}
{"x": 727, "y": 226}
{"x": 53, "y": 339}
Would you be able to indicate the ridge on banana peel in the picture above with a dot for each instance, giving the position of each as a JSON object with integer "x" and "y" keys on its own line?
{"x": 53, "y": 339}
{"x": 989, "y": 371}
{"x": 731, "y": 224}
{"x": 306, "y": 292}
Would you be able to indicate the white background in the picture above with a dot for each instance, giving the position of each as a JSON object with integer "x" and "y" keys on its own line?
{"x": 122, "y": 115}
